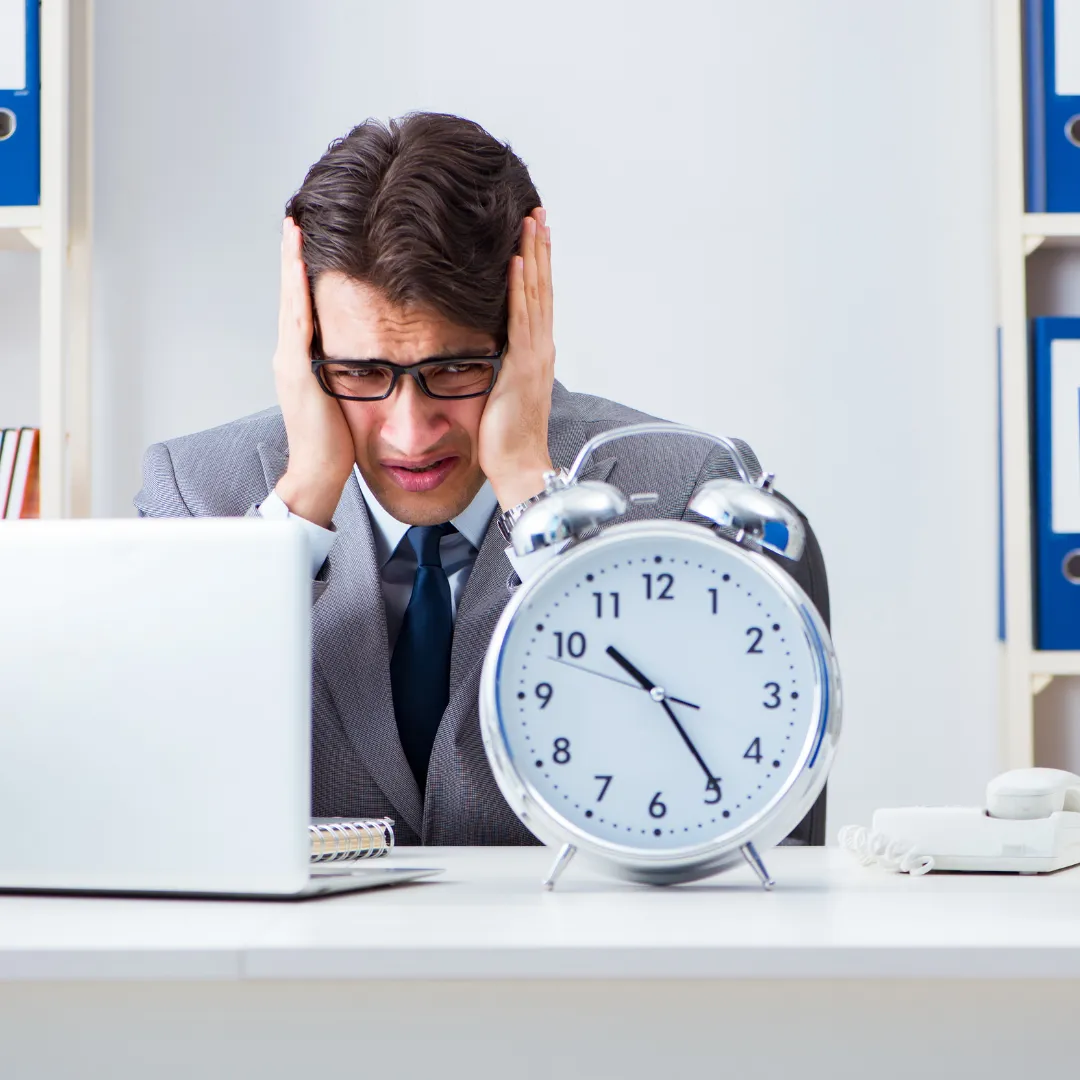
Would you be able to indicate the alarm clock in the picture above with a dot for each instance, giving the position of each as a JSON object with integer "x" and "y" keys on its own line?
{"x": 661, "y": 697}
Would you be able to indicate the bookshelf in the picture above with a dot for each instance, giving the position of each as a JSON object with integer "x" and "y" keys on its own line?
{"x": 1025, "y": 671}
{"x": 57, "y": 237}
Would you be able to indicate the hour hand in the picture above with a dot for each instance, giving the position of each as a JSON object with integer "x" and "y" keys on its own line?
{"x": 629, "y": 668}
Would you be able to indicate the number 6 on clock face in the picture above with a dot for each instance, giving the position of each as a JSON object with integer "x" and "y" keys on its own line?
{"x": 659, "y": 695}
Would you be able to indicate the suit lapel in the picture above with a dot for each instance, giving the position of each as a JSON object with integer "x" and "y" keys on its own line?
{"x": 486, "y": 594}
{"x": 350, "y": 647}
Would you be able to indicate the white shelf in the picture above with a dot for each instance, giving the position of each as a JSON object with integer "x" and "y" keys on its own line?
{"x": 1050, "y": 230}
{"x": 20, "y": 217}
{"x": 20, "y": 228}
{"x": 1054, "y": 662}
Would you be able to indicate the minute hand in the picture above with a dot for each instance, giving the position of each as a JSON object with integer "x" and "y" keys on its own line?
{"x": 649, "y": 685}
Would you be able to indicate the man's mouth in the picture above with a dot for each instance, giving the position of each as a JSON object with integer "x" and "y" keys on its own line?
{"x": 421, "y": 477}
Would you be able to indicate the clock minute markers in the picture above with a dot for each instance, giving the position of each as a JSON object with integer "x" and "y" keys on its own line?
{"x": 658, "y": 695}
{"x": 621, "y": 682}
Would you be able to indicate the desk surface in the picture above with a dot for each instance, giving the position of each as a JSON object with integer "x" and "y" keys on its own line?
{"x": 487, "y": 917}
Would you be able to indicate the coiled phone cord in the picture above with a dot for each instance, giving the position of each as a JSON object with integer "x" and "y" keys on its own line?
{"x": 874, "y": 847}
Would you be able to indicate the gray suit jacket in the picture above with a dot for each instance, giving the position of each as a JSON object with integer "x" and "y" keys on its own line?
{"x": 358, "y": 766}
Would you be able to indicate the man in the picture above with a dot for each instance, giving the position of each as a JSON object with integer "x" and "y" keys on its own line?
{"x": 423, "y": 246}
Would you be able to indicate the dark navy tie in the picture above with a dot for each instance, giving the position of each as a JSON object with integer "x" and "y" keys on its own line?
{"x": 420, "y": 666}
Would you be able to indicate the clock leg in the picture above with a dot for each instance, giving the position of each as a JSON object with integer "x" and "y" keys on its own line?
{"x": 562, "y": 861}
{"x": 754, "y": 859}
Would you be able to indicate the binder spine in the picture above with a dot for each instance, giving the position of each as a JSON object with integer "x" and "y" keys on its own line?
{"x": 1035, "y": 107}
{"x": 20, "y": 126}
{"x": 1056, "y": 387}
{"x": 348, "y": 841}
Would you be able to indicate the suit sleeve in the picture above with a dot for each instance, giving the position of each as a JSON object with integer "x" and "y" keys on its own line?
{"x": 319, "y": 540}
{"x": 160, "y": 497}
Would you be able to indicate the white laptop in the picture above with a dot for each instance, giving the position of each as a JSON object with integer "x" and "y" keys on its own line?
{"x": 155, "y": 704}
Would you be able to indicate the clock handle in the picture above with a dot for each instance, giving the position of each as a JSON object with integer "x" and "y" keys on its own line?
{"x": 745, "y": 505}
{"x": 658, "y": 428}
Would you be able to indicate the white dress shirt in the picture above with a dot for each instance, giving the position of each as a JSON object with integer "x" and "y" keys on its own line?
{"x": 397, "y": 560}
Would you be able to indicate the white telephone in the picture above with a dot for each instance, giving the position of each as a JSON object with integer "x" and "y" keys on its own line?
{"x": 1030, "y": 825}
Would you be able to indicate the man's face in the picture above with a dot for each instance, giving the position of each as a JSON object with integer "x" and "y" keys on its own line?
{"x": 408, "y": 429}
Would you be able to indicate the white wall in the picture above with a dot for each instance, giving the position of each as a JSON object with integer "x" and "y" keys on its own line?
{"x": 19, "y": 302}
{"x": 770, "y": 220}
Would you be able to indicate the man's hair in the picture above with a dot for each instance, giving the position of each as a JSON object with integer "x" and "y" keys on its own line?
{"x": 428, "y": 211}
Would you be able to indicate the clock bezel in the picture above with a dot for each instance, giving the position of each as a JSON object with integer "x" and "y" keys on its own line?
{"x": 766, "y": 827}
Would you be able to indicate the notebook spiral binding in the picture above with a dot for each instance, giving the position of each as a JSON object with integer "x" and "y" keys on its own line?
{"x": 350, "y": 840}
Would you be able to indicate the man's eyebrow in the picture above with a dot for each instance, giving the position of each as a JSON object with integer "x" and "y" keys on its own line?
{"x": 472, "y": 353}
{"x": 463, "y": 354}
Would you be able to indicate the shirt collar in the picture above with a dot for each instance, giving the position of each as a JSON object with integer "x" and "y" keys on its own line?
{"x": 387, "y": 531}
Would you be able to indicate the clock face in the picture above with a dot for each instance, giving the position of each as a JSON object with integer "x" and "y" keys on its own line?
{"x": 657, "y": 692}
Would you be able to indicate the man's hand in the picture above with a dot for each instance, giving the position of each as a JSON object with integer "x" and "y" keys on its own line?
{"x": 321, "y": 452}
{"x": 514, "y": 427}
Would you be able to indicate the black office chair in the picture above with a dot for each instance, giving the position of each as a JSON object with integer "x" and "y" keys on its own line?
{"x": 811, "y": 830}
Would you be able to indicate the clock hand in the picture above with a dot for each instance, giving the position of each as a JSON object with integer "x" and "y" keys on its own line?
{"x": 621, "y": 682}
{"x": 657, "y": 694}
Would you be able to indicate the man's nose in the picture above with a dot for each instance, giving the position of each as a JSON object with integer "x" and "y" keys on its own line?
{"x": 412, "y": 422}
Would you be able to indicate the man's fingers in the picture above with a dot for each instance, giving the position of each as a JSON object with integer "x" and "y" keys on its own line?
{"x": 517, "y": 315}
{"x": 294, "y": 319}
{"x": 543, "y": 272}
{"x": 532, "y": 282}
{"x": 286, "y": 264}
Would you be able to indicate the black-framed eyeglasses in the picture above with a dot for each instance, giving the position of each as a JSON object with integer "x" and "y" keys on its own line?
{"x": 375, "y": 380}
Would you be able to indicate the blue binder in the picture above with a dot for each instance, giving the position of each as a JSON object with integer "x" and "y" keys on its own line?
{"x": 20, "y": 105}
{"x": 1052, "y": 105}
{"x": 1056, "y": 350}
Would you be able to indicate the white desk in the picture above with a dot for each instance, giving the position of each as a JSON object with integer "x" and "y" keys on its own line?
{"x": 481, "y": 973}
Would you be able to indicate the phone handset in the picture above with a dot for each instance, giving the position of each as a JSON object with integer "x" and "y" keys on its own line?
{"x": 1023, "y": 794}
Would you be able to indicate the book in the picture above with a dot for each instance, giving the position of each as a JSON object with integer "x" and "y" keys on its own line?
{"x": 31, "y": 504}
{"x": 22, "y": 500}
{"x": 9, "y": 441}
{"x": 348, "y": 839}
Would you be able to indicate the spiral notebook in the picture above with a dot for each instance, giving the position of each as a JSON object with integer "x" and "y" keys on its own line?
{"x": 341, "y": 839}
